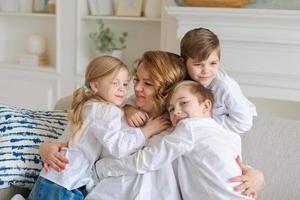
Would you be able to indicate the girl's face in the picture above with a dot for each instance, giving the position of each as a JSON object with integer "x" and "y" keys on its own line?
{"x": 144, "y": 90}
{"x": 204, "y": 72}
{"x": 113, "y": 87}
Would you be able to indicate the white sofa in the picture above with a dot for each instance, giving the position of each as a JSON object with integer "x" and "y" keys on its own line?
{"x": 273, "y": 146}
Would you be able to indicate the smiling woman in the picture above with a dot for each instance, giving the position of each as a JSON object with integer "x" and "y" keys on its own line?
{"x": 156, "y": 73}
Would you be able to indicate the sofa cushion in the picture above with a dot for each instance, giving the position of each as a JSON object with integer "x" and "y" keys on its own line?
{"x": 21, "y": 133}
{"x": 273, "y": 147}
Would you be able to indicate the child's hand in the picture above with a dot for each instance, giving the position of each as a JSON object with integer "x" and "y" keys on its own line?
{"x": 51, "y": 157}
{"x": 135, "y": 117}
{"x": 155, "y": 126}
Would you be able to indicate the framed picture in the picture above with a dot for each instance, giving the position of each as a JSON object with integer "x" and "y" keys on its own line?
{"x": 129, "y": 8}
{"x": 40, "y": 6}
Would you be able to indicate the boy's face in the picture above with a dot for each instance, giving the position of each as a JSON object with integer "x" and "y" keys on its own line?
{"x": 204, "y": 72}
{"x": 183, "y": 105}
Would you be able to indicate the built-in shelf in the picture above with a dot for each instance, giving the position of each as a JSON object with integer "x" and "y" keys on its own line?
{"x": 138, "y": 28}
{"x": 122, "y": 18}
{"x": 19, "y": 14}
{"x": 16, "y": 66}
{"x": 38, "y": 87}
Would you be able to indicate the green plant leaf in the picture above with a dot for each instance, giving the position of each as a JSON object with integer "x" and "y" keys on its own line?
{"x": 105, "y": 39}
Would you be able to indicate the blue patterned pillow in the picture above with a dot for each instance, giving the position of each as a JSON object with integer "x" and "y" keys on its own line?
{"x": 21, "y": 133}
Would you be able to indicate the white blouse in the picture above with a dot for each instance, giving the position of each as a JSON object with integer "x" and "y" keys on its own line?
{"x": 205, "y": 159}
{"x": 103, "y": 134}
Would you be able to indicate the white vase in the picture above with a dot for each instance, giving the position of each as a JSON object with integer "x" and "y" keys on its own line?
{"x": 152, "y": 8}
{"x": 36, "y": 44}
{"x": 115, "y": 53}
{"x": 26, "y": 6}
{"x": 104, "y": 7}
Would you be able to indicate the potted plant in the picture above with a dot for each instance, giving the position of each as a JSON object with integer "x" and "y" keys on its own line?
{"x": 107, "y": 42}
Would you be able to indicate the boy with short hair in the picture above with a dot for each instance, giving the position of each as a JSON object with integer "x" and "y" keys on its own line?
{"x": 200, "y": 49}
{"x": 204, "y": 150}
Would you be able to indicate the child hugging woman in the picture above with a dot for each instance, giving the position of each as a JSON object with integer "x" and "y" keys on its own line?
{"x": 95, "y": 130}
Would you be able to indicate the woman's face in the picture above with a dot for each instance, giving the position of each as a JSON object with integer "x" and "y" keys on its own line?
{"x": 144, "y": 90}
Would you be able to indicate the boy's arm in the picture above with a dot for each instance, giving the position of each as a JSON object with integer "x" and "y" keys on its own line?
{"x": 238, "y": 116}
{"x": 150, "y": 158}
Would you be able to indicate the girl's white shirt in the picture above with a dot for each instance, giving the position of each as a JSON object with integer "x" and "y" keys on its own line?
{"x": 104, "y": 133}
{"x": 205, "y": 159}
{"x": 231, "y": 108}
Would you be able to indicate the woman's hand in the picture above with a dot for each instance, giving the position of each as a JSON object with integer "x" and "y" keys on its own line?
{"x": 251, "y": 179}
{"x": 51, "y": 156}
{"x": 135, "y": 117}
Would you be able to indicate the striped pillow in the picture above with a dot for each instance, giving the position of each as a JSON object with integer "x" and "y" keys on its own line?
{"x": 21, "y": 132}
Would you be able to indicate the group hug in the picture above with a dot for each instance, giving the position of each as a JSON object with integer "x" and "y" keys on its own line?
{"x": 177, "y": 137}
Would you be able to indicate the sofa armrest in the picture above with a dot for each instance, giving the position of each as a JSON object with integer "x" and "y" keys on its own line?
{"x": 64, "y": 103}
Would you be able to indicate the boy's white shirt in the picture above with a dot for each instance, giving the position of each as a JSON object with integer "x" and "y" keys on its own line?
{"x": 104, "y": 133}
{"x": 205, "y": 159}
{"x": 154, "y": 185}
{"x": 231, "y": 108}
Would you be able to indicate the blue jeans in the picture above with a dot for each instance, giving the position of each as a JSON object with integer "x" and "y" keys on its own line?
{"x": 44, "y": 189}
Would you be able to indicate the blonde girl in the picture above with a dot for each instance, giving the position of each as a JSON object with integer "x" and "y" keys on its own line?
{"x": 95, "y": 130}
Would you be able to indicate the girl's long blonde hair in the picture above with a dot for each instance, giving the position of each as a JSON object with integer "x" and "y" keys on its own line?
{"x": 99, "y": 67}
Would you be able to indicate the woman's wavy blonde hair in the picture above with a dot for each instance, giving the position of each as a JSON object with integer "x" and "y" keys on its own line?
{"x": 98, "y": 68}
{"x": 165, "y": 69}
